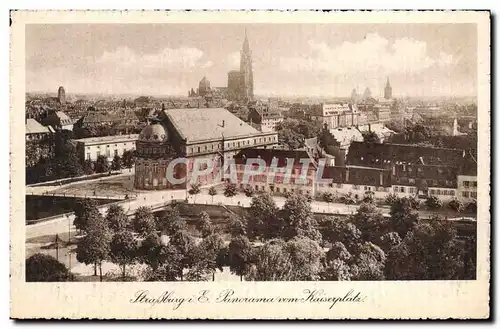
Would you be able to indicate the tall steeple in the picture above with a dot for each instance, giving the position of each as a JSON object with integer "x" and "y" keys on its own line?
{"x": 246, "y": 71}
{"x": 388, "y": 90}
{"x": 246, "y": 46}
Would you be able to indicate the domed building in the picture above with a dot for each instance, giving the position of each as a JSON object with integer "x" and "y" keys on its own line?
{"x": 153, "y": 154}
{"x": 190, "y": 134}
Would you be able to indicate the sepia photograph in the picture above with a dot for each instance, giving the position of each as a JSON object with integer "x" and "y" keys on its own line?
{"x": 225, "y": 153}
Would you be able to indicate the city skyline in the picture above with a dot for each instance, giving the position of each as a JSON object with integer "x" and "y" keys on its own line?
{"x": 327, "y": 60}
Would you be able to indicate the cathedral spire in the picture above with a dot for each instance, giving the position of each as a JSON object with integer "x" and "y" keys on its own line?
{"x": 388, "y": 90}
{"x": 246, "y": 46}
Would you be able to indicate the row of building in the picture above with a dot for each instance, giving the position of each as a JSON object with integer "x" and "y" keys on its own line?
{"x": 216, "y": 135}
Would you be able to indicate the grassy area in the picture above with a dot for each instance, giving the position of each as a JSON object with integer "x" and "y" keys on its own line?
{"x": 114, "y": 186}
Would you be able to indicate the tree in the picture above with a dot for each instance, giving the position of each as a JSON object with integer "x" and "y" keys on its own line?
{"x": 152, "y": 251}
{"x": 117, "y": 163}
{"x": 388, "y": 241}
{"x": 456, "y": 205}
{"x": 88, "y": 167}
{"x": 339, "y": 230}
{"x": 403, "y": 216}
{"x": 472, "y": 206}
{"x": 212, "y": 191}
{"x": 249, "y": 191}
{"x": 338, "y": 251}
{"x": 369, "y": 197}
{"x": 185, "y": 245}
{"x": 45, "y": 268}
{"x": 328, "y": 197}
{"x": 116, "y": 218}
{"x": 289, "y": 135}
{"x": 101, "y": 164}
{"x": 272, "y": 262}
{"x": 230, "y": 190}
{"x": 194, "y": 190}
{"x": 204, "y": 225}
{"x": 171, "y": 269}
{"x": 370, "y": 221}
{"x": 430, "y": 251}
{"x": 84, "y": 210}
{"x": 237, "y": 227}
{"x": 336, "y": 270}
{"x": 211, "y": 256}
{"x": 240, "y": 255}
{"x": 94, "y": 248}
{"x": 433, "y": 203}
{"x": 391, "y": 198}
{"x": 298, "y": 218}
{"x": 371, "y": 137}
{"x": 369, "y": 263}
{"x": 348, "y": 199}
{"x": 144, "y": 221}
{"x": 305, "y": 257}
{"x": 171, "y": 222}
{"x": 263, "y": 218}
{"x": 123, "y": 250}
{"x": 128, "y": 159}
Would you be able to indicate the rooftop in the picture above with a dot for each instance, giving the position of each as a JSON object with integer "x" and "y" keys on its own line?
{"x": 108, "y": 139}
{"x": 199, "y": 124}
{"x": 34, "y": 127}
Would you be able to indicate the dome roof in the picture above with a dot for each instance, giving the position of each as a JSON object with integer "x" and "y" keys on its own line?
{"x": 154, "y": 133}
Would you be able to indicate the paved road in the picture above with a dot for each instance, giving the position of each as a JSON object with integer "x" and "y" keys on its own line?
{"x": 159, "y": 199}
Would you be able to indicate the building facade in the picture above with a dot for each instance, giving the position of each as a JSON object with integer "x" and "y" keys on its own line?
{"x": 213, "y": 135}
{"x": 110, "y": 146}
{"x": 240, "y": 83}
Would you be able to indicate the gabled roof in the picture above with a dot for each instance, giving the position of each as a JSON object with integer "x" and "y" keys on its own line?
{"x": 199, "y": 124}
{"x": 34, "y": 127}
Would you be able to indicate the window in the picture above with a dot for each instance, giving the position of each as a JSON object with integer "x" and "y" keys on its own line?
{"x": 473, "y": 195}
{"x": 284, "y": 190}
{"x": 402, "y": 189}
{"x": 466, "y": 184}
{"x": 88, "y": 156}
{"x": 198, "y": 149}
{"x": 465, "y": 194}
{"x": 278, "y": 189}
{"x": 474, "y": 184}
{"x": 116, "y": 153}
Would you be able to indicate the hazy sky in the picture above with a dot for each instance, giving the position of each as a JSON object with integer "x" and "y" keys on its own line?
{"x": 288, "y": 59}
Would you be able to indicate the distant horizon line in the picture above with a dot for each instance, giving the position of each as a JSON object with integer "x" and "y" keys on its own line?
{"x": 257, "y": 95}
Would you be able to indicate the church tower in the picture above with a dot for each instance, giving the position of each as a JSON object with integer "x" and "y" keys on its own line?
{"x": 388, "y": 90}
{"x": 246, "y": 71}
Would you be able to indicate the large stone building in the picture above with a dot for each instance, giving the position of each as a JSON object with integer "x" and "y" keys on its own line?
{"x": 109, "y": 146}
{"x": 212, "y": 134}
{"x": 61, "y": 95}
{"x": 240, "y": 83}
